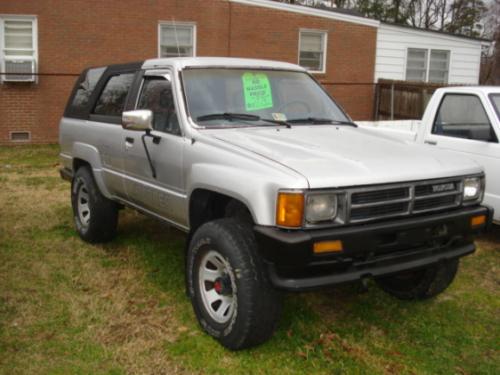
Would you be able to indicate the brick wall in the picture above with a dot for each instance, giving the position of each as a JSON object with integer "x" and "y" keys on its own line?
{"x": 79, "y": 33}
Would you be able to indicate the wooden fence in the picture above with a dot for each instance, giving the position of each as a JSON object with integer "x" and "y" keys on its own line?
{"x": 401, "y": 100}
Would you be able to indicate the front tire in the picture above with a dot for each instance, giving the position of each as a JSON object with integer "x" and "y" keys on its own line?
{"x": 421, "y": 283}
{"x": 228, "y": 286}
{"x": 95, "y": 216}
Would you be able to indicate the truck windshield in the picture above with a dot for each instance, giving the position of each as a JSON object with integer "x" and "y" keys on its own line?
{"x": 246, "y": 97}
{"x": 495, "y": 99}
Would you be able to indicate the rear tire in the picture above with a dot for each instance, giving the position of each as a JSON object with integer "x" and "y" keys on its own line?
{"x": 95, "y": 216}
{"x": 421, "y": 283}
{"x": 228, "y": 285}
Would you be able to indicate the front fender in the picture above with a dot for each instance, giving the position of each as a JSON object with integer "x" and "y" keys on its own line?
{"x": 254, "y": 190}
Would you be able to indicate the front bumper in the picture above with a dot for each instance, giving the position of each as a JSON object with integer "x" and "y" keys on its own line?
{"x": 369, "y": 250}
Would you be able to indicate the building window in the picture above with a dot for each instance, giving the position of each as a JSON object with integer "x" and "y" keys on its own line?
{"x": 416, "y": 65}
{"x": 312, "y": 50}
{"x": 177, "y": 39}
{"x": 439, "y": 66}
{"x": 18, "y": 48}
{"x": 427, "y": 65}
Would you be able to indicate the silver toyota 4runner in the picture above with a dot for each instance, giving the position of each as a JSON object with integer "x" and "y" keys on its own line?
{"x": 275, "y": 186}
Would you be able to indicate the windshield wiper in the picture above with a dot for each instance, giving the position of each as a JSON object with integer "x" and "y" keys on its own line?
{"x": 240, "y": 116}
{"x": 228, "y": 116}
{"x": 319, "y": 121}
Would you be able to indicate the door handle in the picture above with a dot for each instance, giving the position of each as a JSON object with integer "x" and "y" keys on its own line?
{"x": 432, "y": 143}
{"x": 129, "y": 140}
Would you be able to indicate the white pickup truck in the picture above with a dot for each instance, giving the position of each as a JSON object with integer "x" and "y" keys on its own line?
{"x": 461, "y": 119}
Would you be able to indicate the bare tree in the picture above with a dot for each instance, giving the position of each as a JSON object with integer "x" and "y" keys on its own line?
{"x": 490, "y": 64}
{"x": 465, "y": 17}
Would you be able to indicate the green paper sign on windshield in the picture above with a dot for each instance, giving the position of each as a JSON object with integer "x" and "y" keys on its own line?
{"x": 257, "y": 91}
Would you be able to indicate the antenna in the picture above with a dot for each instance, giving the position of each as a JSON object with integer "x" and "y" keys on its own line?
{"x": 176, "y": 37}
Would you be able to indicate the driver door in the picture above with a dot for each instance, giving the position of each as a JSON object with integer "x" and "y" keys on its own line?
{"x": 163, "y": 195}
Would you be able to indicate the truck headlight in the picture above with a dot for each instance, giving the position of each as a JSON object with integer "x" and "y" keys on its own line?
{"x": 321, "y": 207}
{"x": 473, "y": 188}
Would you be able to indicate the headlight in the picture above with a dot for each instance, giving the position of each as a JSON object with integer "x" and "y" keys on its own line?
{"x": 473, "y": 188}
{"x": 321, "y": 207}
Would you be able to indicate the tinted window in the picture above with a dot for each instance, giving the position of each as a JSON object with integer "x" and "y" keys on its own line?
{"x": 157, "y": 96}
{"x": 463, "y": 116}
{"x": 496, "y": 103}
{"x": 85, "y": 89}
{"x": 113, "y": 97}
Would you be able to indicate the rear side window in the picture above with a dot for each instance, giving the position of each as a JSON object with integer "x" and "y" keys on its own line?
{"x": 112, "y": 99}
{"x": 463, "y": 116}
{"x": 84, "y": 90}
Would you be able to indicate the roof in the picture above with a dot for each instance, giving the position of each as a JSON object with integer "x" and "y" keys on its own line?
{"x": 184, "y": 62}
{"x": 347, "y": 15}
{"x": 334, "y": 14}
{"x": 444, "y": 33}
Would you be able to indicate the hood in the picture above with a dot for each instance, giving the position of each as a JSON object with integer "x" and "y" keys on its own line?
{"x": 341, "y": 156}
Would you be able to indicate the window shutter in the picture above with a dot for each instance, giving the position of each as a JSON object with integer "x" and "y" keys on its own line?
{"x": 171, "y": 36}
{"x": 311, "y": 43}
{"x": 18, "y": 38}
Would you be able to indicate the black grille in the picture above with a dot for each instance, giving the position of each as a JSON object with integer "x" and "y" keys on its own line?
{"x": 405, "y": 199}
{"x": 380, "y": 195}
{"x": 379, "y": 211}
{"x": 436, "y": 202}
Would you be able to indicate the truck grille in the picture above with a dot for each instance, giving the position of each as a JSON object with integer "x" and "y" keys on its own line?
{"x": 380, "y": 202}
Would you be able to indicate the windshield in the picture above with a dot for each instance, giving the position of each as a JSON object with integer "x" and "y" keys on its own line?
{"x": 246, "y": 97}
{"x": 495, "y": 99}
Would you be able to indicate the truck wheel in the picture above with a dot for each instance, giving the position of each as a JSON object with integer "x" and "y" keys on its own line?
{"x": 421, "y": 283}
{"x": 228, "y": 285}
{"x": 95, "y": 216}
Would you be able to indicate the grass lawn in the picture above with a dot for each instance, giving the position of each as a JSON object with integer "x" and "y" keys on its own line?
{"x": 70, "y": 308}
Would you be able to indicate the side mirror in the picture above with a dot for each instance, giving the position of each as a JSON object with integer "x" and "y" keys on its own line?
{"x": 140, "y": 120}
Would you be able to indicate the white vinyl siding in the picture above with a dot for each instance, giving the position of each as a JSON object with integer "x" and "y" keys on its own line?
{"x": 177, "y": 39}
{"x": 312, "y": 50}
{"x": 18, "y": 44}
{"x": 393, "y": 42}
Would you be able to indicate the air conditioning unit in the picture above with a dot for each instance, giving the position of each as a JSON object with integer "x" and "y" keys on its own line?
{"x": 19, "y": 69}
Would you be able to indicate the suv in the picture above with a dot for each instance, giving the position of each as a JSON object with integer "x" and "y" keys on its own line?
{"x": 276, "y": 188}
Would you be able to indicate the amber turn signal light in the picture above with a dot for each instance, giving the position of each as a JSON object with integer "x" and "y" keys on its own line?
{"x": 290, "y": 210}
{"x": 476, "y": 221}
{"x": 328, "y": 247}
